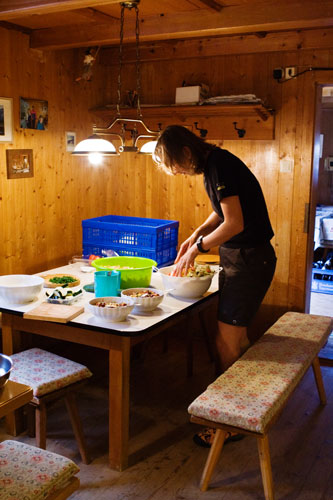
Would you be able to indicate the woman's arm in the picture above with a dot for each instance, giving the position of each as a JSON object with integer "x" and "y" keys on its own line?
{"x": 210, "y": 224}
{"x": 233, "y": 224}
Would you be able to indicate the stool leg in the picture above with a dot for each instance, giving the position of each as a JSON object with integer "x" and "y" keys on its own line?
{"x": 31, "y": 420}
{"x": 214, "y": 455}
{"x": 77, "y": 426}
{"x": 319, "y": 380}
{"x": 40, "y": 420}
{"x": 265, "y": 465}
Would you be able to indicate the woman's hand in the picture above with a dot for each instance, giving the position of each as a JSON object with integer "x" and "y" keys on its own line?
{"x": 186, "y": 245}
{"x": 185, "y": 261}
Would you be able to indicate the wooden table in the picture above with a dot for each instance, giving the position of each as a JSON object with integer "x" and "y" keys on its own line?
{"x": 12, "y": 396}
{"x": 117, "y": 338}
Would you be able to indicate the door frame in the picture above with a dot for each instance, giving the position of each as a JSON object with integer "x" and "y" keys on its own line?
{"x": 313, "y": 189}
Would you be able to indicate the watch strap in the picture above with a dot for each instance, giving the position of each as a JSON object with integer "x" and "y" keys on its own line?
{"x": 199, "y": 245}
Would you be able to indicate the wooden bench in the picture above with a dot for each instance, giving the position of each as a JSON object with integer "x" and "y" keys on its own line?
{"x": 250, "y": 395}
{"x": 30, "y": 473}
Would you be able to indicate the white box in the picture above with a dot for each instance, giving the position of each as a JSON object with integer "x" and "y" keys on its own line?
{"x": 188, "y": 95}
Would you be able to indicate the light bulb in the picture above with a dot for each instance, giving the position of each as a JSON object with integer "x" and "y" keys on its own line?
{"x": 95, "y": 158}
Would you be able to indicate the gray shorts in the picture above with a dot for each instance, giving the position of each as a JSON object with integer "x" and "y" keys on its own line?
{"x": 243, "y": 282}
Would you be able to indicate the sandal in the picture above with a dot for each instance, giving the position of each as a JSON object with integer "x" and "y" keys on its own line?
{"x": 206, "y": 437}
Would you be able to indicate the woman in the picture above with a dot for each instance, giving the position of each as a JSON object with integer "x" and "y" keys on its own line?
{"x": 239, "y": 224}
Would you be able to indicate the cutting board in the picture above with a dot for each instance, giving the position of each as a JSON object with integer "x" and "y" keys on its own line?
{"x": 49, "y": 284}
{"x": 207, "y": 259}
{"x": 59, "y": 313}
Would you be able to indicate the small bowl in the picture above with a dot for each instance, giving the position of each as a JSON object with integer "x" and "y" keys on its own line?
{"x": 20, "y": 288}
{"x": 184, "y": 286}
{"x": 115, "y": 314}
{"x": 6, "y": 365}
{"x": 144, "y": 304}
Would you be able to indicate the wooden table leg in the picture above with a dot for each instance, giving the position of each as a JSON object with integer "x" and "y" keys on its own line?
{"x": 10, "y": 343}
{"x": 119, "y": 377}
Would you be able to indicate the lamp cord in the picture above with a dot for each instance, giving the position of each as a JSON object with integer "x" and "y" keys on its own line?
{"x": 138, "y": 74}
{"x": 121, "y": 37}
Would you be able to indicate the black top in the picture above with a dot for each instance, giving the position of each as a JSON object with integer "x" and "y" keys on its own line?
{"x": 226, "y": 175}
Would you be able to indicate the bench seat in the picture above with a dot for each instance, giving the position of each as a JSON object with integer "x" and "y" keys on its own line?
{"x": 254, "y": 388}
{"x": 29, "y": 473}
{"x": 251, "y": 394}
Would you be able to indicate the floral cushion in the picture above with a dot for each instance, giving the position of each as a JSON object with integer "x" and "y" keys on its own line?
{"x": 45, "y": 372}
{"x": 29, "y": 473}
{"x": 256, "y": 386}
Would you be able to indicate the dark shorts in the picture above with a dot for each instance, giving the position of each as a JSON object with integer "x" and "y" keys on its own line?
{"x": 243, "y": 282}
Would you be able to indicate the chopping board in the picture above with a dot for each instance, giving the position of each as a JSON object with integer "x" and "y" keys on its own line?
{"x": 207, "y": 259}
{"x": 59, "y": 313}
{"x": 49, "y": 284}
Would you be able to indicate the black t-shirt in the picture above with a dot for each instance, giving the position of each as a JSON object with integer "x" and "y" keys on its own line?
{"x": 226, "y": 175}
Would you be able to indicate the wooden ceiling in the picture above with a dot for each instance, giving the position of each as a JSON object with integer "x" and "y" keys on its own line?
{"x": 58, "y": 24}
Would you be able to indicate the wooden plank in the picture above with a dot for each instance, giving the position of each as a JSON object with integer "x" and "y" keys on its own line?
{"x": 233, "y": 20}
{"x": 54, "y": 312}
{"x": 224, "y": 45}
{"x": 18, "y": 8}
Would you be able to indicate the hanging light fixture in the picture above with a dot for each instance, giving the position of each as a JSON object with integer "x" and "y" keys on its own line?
{"x": 126, "y": 130}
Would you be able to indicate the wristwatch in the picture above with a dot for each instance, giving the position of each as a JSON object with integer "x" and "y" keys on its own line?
{"x": 199, "y": 245}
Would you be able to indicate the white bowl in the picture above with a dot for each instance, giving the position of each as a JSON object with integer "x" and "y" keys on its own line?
{"x": 115, "y": 314}
{"x": 183, "y": 286}
{"x": 144, "y": 304}
{"x": 20, "y": 288}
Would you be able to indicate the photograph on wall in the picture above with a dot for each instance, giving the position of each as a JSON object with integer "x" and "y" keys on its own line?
{"x": 70, "y": 141}
{"x": 33, "y": 114}
{"x": 6, "y": 119}
{"x": 19, "y": 163}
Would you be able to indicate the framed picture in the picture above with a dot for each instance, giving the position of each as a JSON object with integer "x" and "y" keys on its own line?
{"x": 6, "y": 119}
{"x": 19, "y": 163}
{"x": 70, "y": 141}
{"x": 34, "y": 113}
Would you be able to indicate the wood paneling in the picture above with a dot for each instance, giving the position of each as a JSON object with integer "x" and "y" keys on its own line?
{"x": 41, "y": 217}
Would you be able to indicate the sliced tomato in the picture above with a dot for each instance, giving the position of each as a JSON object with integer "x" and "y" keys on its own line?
{"x": 93, "y": 257}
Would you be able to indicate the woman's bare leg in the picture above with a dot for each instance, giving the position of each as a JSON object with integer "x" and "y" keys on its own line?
{"x": 231, "y": 342}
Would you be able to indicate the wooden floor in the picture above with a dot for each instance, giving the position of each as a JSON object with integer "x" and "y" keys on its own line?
{"x": 165, "y": 463}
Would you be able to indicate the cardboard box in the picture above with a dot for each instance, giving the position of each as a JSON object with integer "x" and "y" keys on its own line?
{"x": 190, "y": 95}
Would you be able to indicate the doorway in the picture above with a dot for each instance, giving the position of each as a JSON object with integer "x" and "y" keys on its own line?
{"x": 320, "y": 257}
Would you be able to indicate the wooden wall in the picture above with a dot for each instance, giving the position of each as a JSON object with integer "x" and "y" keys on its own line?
{"x": 41, "y": 216}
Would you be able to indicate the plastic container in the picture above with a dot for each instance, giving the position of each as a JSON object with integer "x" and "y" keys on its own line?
{"x": 155, "y": 239}
{"x": 139, "y": 274}
{"x": 106, "y": 283}
{"x": 117, "y": 231}
{"x": 163, "y": 257}
{"x": 322, "y": 281}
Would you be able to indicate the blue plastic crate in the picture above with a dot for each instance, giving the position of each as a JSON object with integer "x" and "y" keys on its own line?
{"x": 322, "y": 281}
{"x": 117, "y": 231}
{"x": 163, "y": 257}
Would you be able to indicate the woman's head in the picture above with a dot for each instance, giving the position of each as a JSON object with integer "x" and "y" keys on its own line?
{"x": 178, "y": 150}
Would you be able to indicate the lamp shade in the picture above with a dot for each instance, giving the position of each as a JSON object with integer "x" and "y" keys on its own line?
{"x": 94, "y": 144}
{"x": 148, "y": 148}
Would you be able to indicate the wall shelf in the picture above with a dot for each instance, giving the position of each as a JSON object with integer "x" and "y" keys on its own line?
{"x": 218, "y": 119}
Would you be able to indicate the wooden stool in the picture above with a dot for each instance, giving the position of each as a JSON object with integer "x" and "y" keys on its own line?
{"x": 51, "y": 377}
{"x": 34, "y": 474}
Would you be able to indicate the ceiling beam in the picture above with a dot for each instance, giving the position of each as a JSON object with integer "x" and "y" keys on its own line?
{"x": 13, "y": 9}
{"x": 212, "y": 5}
{"x": 231, "y": 20}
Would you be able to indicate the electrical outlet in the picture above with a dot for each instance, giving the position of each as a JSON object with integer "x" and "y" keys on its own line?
{"x": 328, "y": 164}
{"x": 290, "y": 72}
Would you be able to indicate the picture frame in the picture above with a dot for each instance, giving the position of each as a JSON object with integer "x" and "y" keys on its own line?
{"x": 19, "y": 163}
{"x": 70, "y": 138}
{"x": 34, "y": 114}
{"x": 6, "y": 119}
